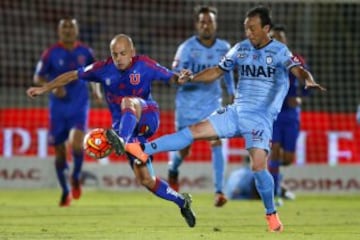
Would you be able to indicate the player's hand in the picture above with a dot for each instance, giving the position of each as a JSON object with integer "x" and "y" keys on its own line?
{"x": 34, "y": 91}
{"x": 59, "y": 92}
{"x": 314, "y": 85}
{"x": 185, "y": 76}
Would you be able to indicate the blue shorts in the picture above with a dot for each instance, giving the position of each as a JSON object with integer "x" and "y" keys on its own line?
{"x": 286, "y": 132}
{"x": 61, "y": 123}
{"x": 231, "y": 122}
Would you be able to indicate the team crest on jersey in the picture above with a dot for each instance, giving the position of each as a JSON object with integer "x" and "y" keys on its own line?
{"x": 134, "y": 78}
{"x": 269, "y": 60}
{"x": 195, "y": 54}
{"x": 108, "y": 81}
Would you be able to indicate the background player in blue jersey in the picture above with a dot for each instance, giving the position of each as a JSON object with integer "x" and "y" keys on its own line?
{"x": 240, "y": 184}
{"x": 287, "y": 125}
{"x": 68, "y": 105}
{"x": 126, "y": 79}
{"x": 196, "y": 101}
{"x": 263, "y": 65}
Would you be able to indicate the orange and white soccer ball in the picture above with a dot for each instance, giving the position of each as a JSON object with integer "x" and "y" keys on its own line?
{"x": 96, "y": 144}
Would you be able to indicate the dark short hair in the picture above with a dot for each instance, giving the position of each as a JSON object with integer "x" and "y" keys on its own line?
{"x": 279, "y": 28}
{"x": 264, "y": 14}
{"x": 204, "y": 9}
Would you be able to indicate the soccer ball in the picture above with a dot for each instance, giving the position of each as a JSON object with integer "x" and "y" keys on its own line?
{"x": 96, "y": 144}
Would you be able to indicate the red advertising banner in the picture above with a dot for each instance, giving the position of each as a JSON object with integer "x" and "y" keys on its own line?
{"x": 332, "y": 138}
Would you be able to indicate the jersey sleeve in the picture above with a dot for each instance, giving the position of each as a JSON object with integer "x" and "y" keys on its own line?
{"x": 229, "y": 78}
{"x": 43, "y": 67}
{"x": 227, "y": 63}
{"x": 181, "y": 59}
{"x": 287, "y": 59}
{"x": 158, "y": 71}
{"x": 91, "y": 72}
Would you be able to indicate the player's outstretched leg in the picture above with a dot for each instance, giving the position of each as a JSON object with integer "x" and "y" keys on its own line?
{"x": 186, "y": 210}
{"x": 116, "y": 141}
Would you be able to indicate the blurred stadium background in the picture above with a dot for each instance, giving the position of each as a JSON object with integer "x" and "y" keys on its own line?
{"x": 325, "y": 32}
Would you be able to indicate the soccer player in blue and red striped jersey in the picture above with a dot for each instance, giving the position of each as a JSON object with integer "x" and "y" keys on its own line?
{"x": 287, "y": 125}
{"x": 68, "y": 105}
{"x": 126, "y": 79}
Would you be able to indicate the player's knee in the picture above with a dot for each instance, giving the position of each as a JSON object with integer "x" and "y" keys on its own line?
{"x": 128, "y": 102}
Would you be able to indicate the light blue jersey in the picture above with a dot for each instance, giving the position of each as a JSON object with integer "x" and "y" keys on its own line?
{"x": 196, "y": 101}
{"x": 262, "y": 86}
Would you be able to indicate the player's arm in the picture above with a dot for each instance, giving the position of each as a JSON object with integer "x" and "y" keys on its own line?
{"x": 207, "y": 75}
{"x": 306, "y": 77}
{"x": 60, "y": 81}
{"x": 96, "y": 92}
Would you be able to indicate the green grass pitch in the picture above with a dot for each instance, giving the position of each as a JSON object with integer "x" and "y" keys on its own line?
{"x": 34, "y": 214}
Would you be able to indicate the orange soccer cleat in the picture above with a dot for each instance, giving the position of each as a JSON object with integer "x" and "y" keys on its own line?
{"x": 274, "y": 223}
{"x": 76, "y": 189}
{"x": 65, "y": 200}
{"x": 220, "y": 200}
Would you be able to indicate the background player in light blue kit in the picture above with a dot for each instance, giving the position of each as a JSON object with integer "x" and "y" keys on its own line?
{"x": 126, "y": 79}
{"x": 263, "y": 66}
{"x": 287, "y": 125}
{"x": 68, "y": 105}
{"x": 196, "y": 101}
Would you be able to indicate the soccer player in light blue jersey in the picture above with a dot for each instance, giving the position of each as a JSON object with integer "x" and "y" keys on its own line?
{"x": 126, "y": 79}
{"x": 68, "y": 105}
{"x": 263, "y": 65}
{"x": 196, "y": 101}
{"x": 287, "y": 125}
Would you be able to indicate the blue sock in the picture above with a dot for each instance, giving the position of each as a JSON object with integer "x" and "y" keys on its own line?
{"x": 163, "y": 191}
{"x": 171, "y": 142}
{"x": 219, "y": 164}
{"x": 78, "y": 158}
{"x": 274, "y": 168}
{"x": 127, "y": 124}
{"x": 265, "y": 187}
{"x": 175, "y": 161}
{"x": 61, "y": 167}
